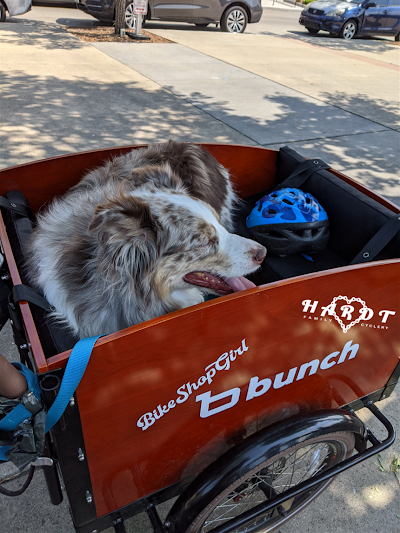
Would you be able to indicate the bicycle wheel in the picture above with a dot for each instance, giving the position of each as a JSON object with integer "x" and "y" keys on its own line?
{"x": 269, "y": 478}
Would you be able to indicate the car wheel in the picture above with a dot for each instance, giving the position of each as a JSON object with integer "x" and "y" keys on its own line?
{"x": 397, "y": 36}
{"x": 234, "y": 20}
{"x": 349, "y": 29}
{"x": 130, "y": 17}
{"x": 2, "y": 13}
{"x": 313, "y": 31}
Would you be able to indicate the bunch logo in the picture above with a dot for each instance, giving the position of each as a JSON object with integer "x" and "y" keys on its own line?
{"x": 347, "y": 312}
{"x": 211, "y": 405}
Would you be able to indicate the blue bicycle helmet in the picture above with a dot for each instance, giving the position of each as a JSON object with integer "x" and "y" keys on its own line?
{"x": 289, "y": 221}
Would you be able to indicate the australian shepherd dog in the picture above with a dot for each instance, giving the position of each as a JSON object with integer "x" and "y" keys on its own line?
{"x": 145, "y": 234}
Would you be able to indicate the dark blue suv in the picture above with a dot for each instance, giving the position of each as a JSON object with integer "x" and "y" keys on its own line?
{"x": 350, "y": 18}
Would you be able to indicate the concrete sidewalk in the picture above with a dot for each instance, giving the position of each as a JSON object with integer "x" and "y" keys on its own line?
{"x": 252, "y": 89}
{"x": 334, "y": 100}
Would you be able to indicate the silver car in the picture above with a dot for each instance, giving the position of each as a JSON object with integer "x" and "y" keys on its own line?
{"x": 14, "y": 7}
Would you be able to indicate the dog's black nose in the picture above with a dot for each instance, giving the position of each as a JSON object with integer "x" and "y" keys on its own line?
{"x": 259, "y": 255}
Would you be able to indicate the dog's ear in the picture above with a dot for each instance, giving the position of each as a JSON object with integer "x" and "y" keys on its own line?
{"x": 122, "y": 219}
{"x": 126, "y": 226}
{"x": 159, "y": 175}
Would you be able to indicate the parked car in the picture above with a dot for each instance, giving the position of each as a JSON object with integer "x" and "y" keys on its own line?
{"x": 14, "y": 7}
{"x": 231, "y": 14}
{"x": 54, "y": 3}
{"x": 350, "y": 18}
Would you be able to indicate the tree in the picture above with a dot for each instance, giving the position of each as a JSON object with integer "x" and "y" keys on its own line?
{"x": 119, "y": 16}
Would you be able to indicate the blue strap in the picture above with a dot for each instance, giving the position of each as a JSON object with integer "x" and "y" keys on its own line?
{"x": 20, "y": 413}
{"x": 31, "y": 379}
{"x": 76, "y": 366}
{"x": 14, "y": 418}
{"x": 3, "y": 450}
{"x": 74, "y": 371}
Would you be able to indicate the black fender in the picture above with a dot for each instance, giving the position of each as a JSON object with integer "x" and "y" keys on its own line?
{"x": 255, "y": 449}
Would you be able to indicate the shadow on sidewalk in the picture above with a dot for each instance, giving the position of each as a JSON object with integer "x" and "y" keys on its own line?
{"x": 370, "y": 44}
{"x": 364, "y": 43}
{"x": 45, "y": 116}
{"x": 45, "y": 35}
{"x": 382, "y": 111}
{"x": 367, "y": 151}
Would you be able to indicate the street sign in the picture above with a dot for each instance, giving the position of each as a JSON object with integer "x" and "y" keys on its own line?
{"x": 140, "y": 7}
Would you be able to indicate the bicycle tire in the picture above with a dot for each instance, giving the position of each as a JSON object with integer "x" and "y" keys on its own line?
{"x": 196, "y": 515}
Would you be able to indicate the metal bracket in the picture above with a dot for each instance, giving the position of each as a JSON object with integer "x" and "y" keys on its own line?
{"x": 154, "y": 518}
{"x": 43, "y": 461}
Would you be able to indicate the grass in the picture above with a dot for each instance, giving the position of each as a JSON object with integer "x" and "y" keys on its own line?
{"x": 395, "y": 465}
{"x": 381, "y": 467}
{"x": 394, "y": 468}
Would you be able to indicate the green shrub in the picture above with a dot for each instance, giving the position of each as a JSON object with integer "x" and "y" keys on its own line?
{"x": 308, "y": 1}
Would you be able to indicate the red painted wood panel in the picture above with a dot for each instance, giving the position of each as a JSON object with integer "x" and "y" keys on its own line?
{"x": 164, "y": 369}
{"x": 203, "y": 378}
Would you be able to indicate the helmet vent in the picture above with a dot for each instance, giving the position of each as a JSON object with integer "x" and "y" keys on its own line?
{"x": 277, "y": 235}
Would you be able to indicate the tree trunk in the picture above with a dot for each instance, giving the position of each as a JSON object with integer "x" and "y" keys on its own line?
{"x": 119, "y": 15}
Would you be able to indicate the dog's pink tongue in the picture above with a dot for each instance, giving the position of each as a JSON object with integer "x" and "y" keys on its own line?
{"x": 239, "y": 284}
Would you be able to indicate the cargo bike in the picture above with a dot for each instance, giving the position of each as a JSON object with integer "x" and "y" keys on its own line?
{"x": 242, "y": 408}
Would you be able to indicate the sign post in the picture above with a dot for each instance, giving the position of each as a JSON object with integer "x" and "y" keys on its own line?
{"x": 139, "y": 9}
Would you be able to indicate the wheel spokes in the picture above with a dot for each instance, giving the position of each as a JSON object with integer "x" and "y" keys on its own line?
{"x": 130, "y": 17}
{"x": 236, "y": 21}
{"x": 275, "y": 479}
